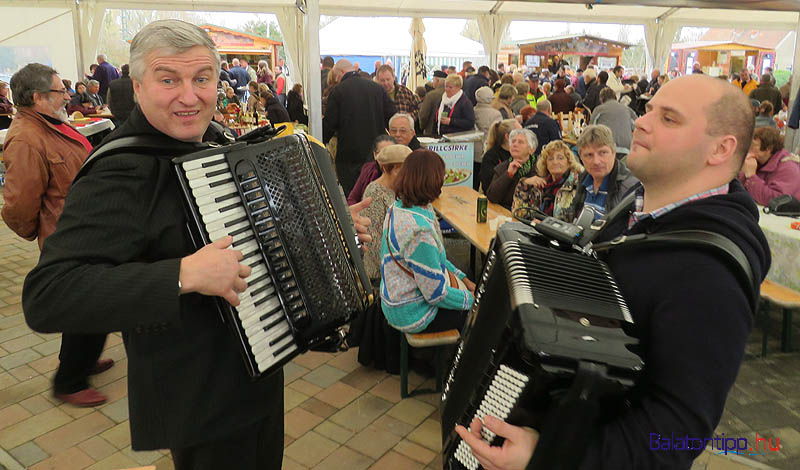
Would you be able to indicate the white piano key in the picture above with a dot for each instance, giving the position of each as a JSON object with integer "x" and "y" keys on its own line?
{"x": 232, "y": 214}
{"x": 198, "y": 173}
{"x": 207, "y": 181}
{"x": 225, "y": 231}
{"x": 218, "y": 206}
{"x": 215, "y": 191}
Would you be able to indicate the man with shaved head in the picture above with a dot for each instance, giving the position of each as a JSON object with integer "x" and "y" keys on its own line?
{"x": 358, "y": 110}
{"x": 104, "y": 74}
{"x": 692, "y": 313}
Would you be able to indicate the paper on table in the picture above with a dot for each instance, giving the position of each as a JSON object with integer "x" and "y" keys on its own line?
{"x": 498, "y": 221}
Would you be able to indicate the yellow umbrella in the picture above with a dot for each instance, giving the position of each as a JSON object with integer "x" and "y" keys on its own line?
{"x": 418, "y": 71}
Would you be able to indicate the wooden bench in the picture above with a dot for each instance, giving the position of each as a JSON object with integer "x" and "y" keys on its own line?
{"x": 786, "y": 298}
{"x": 423, "y": 340}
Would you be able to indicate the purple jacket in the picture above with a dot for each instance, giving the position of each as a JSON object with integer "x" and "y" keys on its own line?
{"x": 104, "y": 73}
{"x": 775, "y": 178}
{"x": 369, "y": 173}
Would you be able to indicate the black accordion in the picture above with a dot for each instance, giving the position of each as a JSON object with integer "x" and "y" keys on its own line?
{"x": 282, "y": 204}
{"x": 544, "y": 346}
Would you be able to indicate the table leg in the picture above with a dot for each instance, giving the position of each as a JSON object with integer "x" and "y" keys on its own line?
{"x": 472, "y": 261}
{"x": 786, "y": 332}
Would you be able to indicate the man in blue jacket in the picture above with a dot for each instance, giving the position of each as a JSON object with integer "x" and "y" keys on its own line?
{"x": 692, "y": 341}
{"x": 104, "y": 74}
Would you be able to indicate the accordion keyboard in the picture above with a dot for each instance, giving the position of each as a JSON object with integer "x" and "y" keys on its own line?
{"x": 502, "y": 395}
{"x": 221, "y": 208}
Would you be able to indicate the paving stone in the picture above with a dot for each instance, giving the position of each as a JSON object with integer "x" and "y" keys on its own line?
{"x": 97, "y": 448}
{"x": 338, "y": 395}
{"x": 36, "y": 404}
{"x": 346, "y": 361}
{"x": 23, "y": 342}
{"x": 292, "y": 372}
{"x": 292, "y": 398}
{"x": 45, "y": 364}
{"x": 291, "y": 464}
{"x": 32, "y": 427}
{"x": 70, "y": 459}
{"x": 415, "y": 452}
{"x": 364, "y": 378}
{"x": 165, "y": 463}
{"x": 311, "y": 449}
{"x": 344, "y": 458}
{"x": 373, "y": 442}
{"x": 319, "y": 408}
{"x": 305, "y": 387}
{"x": 323, "y": 376}
{"x": 119, "y": 436}
{"x": 19, "y": 358}
{"x": 388, "y": 389}
{"x": 118, "y": 371}
{"x": 117, "y": 411}
{"x": 765, "y": 415}
{"x": 411, "y": 411}
{"x": 312, "y": 359}
{"x": 7, "y": 380}
{"x": 13, "y": 414}
{"x": 73, "y": 433}
{"x": 142, "y": 457}
{"x": 28, "y": 454}
{"x": 428, "y": 434}
{"x": 299, "y": 421}
{"x": 117, "y": 460}
{"x": 395, "y": 461}
{"x": 334, "y": 432}
{"x": 361, "y": 412}
{"x": 393, "y": 425}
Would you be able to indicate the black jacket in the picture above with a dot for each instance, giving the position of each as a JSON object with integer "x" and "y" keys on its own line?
{"x": 462, "y": 118}
{"x": 493, "y": 157}
{"x": 471, "y": 85}
{"x": 620, "y": 182}
{"x": 225, "y": 77}
{"x": 592, "y": 98}
{"x": 545, "y": 128}
{"x": 276, "y": 112}
{"x": 294, "y": 106}
{"x": 692, "y": 318}
{"x": 120, "y": 98}
{"x": 113, "y": 265}
{"x": 358, "y": 110}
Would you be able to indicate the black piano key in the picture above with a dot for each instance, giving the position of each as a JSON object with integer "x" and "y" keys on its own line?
{"x": 241, "y": 230}
{"x": 226, "y": 197}
{"x": 220, "y": 182}
{"x": 244, "y": 240}
{"x": 271, "y": 313}
{"x": 283, "y": 348}
{"x": 259, "y": 278}
{"x": 214, "y": 163}
{"x": 280, "y": 338}
{"x": 260, "y": 289}
{"x": 255, "y": 263}
{"x": 275, "y": 323}
{"x": 217, "y": 172}
{"x": 251, "y": 254}
{"x": 261, "y": 301}
{"x": 230, "y": 207}
{"x": 231, "y": 223}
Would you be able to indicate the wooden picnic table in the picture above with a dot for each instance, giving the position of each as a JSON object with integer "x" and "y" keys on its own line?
{"x": 105, "y": 115}
{"x": 458, "y": 206}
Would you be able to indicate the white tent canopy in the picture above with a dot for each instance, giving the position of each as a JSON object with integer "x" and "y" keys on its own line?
{"x": 390, "y": 36}
{"x": 301, "y": 30}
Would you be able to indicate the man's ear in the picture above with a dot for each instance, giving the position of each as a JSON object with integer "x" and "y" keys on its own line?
{"x": 723, "y": 150}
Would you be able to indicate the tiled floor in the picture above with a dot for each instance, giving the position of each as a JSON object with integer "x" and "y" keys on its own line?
{"x": 339, "y": 415}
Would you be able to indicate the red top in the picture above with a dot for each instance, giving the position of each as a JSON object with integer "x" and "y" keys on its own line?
{"x": 70, "y": 132}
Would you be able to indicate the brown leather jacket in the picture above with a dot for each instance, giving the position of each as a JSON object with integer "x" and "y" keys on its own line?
{"x": 41, "y": 163}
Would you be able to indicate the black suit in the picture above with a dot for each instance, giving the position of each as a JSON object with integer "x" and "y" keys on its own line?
{"x": 358, "y": 110}
{"x": 120, "y": 98}
{"x": 113, "y": 265}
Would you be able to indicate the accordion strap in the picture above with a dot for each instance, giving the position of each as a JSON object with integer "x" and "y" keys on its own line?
{"x": 706, "y": 240}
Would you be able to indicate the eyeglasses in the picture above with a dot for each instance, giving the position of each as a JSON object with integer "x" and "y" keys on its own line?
{"x": 63, "y": 91}
{"x": 395, "y": 130}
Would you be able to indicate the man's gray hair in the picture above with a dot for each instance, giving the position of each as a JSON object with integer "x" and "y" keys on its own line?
{"x": 403, "y": 115}
{"x": 169, "y": 37}
{"x": 597, "y": 135}
{"x": 93, "y": 83}
{"x": 544, "y": 106}
{"x": 102, "y": 56}
{"x": 33, "y": 78}
{"x": 529, "y": 136}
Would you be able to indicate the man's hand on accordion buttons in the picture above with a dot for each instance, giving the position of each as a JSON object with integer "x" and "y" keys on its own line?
{"x": 215, "y": 270}
{"x": 361, "y": 223}
{"x": 516, "y": 451}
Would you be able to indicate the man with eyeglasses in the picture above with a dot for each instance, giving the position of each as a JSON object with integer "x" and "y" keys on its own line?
{"x": 401, "y": 127}
{"x": 42, "y": 154}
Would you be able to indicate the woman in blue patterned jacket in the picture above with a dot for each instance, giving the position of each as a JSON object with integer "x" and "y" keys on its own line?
{"x": 420, "y": 289}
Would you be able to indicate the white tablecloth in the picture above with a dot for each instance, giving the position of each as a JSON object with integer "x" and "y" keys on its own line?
{"x": 87, "y": 130}
{"x": 784, "y": 244}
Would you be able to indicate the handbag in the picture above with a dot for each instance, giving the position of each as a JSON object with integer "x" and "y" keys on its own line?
{"x": 454, "y": 282}
{"x": 785, "y": 204}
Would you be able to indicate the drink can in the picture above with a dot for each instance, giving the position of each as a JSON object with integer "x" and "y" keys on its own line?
{"x": 483, "y": 209}
{"x": 796, "y": 225}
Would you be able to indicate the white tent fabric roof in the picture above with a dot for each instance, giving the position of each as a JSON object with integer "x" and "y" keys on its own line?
{"x": 389, "y": 36}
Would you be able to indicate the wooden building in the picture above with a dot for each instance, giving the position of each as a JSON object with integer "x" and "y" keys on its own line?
{"x": 579, "y": 50}
{"x": 233, "y": 43}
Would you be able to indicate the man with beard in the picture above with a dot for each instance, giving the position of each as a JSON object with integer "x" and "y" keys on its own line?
{"x": 42, "y": 155}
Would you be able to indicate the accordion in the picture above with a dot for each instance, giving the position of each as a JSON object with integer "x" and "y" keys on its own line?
{"x": 282, "y": 204}
{"x": 544, "y": 346}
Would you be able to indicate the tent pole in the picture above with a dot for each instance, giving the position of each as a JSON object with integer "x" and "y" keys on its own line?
{"x": 76, "y": 30}
{"x": 313, "y": 90}
{"x": 793, "y": 135}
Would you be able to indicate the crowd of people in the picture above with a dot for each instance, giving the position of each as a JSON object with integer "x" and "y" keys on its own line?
{"x": 121, "y": 259}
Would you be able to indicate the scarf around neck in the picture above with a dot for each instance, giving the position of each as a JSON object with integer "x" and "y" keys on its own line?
{"x": 451, "y": 102}
{"x": 525, "y": 170}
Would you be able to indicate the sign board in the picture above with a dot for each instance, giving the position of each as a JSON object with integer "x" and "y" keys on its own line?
{"x": 738, "y": 53}
{"x": 605, "y": 63}
{"x": 533, "y": 61}
{"x": 458, "y": 158}
{"x": 715, "y": 71}
{"x": 722, "y": 57}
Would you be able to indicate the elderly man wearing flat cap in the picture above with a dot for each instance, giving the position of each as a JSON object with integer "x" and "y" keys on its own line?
{"x": 429, "y": 106}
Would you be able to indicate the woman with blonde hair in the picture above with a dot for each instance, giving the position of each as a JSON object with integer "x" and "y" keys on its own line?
{"x": 263, "y": 73}
{"x": 554, "y": 186}
{"x": 502, "y": 102}
{"x": 497, "y": 147}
